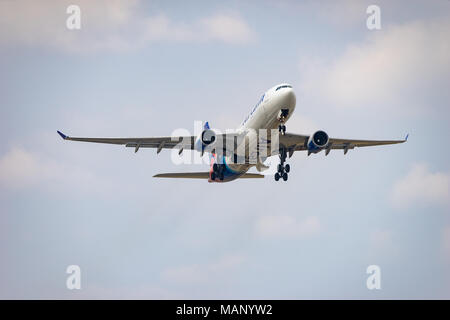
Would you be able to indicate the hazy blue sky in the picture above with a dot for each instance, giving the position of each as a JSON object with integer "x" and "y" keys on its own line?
{"x": 139, "y": 68}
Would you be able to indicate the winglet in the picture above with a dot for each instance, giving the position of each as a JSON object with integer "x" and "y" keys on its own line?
{"x": 406, "y": 138}
{"x": 206, "y": 126}
{"x": 62, "y": 135}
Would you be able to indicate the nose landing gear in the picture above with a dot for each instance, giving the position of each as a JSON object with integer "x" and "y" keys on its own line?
{"x": 282, "y": 129}
{"x": 282, "y": 118}
{"x": 283, "y": 170}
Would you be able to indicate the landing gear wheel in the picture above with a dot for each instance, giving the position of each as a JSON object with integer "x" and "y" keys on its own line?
{"x": 213, "y": 176}
{"x": 221, "y": 176}
{"x": 215, "y": 167}
{"x": 282, "y": 168}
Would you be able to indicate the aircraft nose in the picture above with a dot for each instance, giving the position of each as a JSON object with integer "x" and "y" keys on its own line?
{"x": 288, "y": 97}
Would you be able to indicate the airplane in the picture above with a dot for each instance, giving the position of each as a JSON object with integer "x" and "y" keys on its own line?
{"x": 272, "y": 111}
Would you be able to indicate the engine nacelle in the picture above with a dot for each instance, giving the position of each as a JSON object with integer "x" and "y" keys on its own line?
{"x": 318, "y": 141}
{"x": 207, "y": 138}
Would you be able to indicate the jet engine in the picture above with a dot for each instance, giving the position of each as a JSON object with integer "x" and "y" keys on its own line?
{"x": 318, "y": 141}
{"x": 207, "y": 138}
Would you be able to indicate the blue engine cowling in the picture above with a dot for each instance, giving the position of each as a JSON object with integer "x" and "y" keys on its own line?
{"x": 206, "y": 139}
{"x": 318, "y": 141}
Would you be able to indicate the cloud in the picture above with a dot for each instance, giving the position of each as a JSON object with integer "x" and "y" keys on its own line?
{"x": 109, "y": 25}
{"x": 400, "y": 68}
{"x": 227, "y": 29}
{"x": 203, "y": 273}
{"x": 18, "y": 168}
{"x": 21, "y": 169}
{"x": 420, "y": 186}
{"x": 286, "y": 226}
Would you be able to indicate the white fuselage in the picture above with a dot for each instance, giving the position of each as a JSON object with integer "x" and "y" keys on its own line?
{"x": 265, "y": 115}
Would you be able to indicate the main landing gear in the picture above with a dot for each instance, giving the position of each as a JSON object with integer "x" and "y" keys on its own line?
{"x": 283, "y": 169}
{"x": 218, "y": 172}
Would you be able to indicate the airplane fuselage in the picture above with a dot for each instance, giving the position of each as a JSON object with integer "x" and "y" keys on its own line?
{"x": 277, "y": 102}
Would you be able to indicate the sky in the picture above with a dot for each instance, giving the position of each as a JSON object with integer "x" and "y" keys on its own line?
{"x": 141, "y": 68}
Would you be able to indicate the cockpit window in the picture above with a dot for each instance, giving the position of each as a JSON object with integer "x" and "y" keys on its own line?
{"x": 283, "y": 86}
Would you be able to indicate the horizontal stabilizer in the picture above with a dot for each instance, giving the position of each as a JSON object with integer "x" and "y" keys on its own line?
{"x": 188, "y": 175}
{"x": 251, "y": 176}
{"x": 201, "y": 175}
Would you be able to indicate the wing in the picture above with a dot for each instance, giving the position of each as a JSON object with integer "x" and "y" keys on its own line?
{"x": 297, "y": 142}
{"x": 174, "y": 142}
{"x": 202, "y": 175}
{"x": 186, "y": 142}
